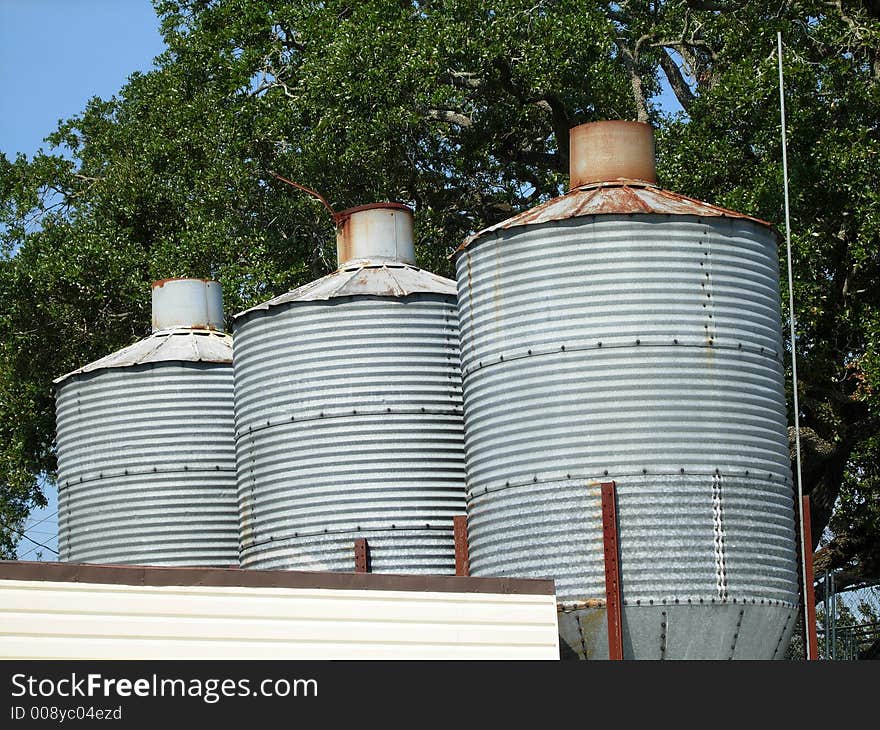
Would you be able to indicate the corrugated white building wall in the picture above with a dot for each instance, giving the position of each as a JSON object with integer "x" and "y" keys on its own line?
{"x": 78, "y": 611}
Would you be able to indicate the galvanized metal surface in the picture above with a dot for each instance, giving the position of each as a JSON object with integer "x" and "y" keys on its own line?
{"x": 146, "y": 465}
{"x": 348, "y": 425}
{"x": 643, "y": 349}
{"x": 378, "y": 232}
{"x": 682, "y": 631}
{"x": 183, "y": 345}
{"x": 364, "y": 278}
{"x": 193, "y": 303}
{"x": 633, "y": 197}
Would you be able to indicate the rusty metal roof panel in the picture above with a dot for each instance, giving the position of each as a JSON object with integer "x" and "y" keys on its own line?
{"x": 365, "y": 278}
{"x": 173, "y": 345}
{"x": 613, "y": 198}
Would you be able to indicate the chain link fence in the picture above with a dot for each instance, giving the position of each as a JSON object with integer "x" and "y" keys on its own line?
{"x": 848, "y": 621}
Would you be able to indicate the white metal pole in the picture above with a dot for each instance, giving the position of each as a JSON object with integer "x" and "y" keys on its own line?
{"x": 791, "y": 318}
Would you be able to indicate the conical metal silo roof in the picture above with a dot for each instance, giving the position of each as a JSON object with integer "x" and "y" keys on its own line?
{"x": 625, "y": 333}
{"x": 145, "y": 442}
{"x": 348, "y": 411}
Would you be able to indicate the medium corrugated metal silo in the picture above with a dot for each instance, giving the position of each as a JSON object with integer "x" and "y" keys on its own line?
{"x": 348, "y": 411}
{"x": 145, "y": 442}
{"x": 625, "y": 333}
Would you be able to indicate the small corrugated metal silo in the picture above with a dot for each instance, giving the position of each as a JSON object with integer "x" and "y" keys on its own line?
{"x": 348, "y": 411}
{"x": 625, "y": 333}
{"x": 145, "y": 442}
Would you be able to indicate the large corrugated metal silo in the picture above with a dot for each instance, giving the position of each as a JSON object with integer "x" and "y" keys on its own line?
{"x": 625, "y": 333}
{"x": 145, "y": 442}
{"x": 348, "y": 411}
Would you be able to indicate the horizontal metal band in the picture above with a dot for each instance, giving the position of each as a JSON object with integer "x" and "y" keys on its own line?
{"x": 596, "y": 479}
{"x": 414, "y": 551}
{"x": 642, "y": 343}
{"x": 141, "y": 472}
{"x": 331, "y": 413}
{"x": 356, "y": 532}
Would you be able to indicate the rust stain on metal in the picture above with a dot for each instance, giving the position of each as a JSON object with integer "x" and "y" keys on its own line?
{"x": 344, "y": 242}
{"x": 361, "y": 555}
{"x": 462, "y": 559}
{"x": 311, "y": 192}
{"x": 470, "y": 285}
{"x": 569, "y": 606}
{"x": 637, "y": 202}
{"x": 159, "y": 283}
{"x": 590, "y": 624}
{"x": 809, "y": 592}
{"x": 357, "y": 236}
{"x": 611, "y": 150}
{"x": 620, "y": 197}
{"x": 612, "y": 570}
{"x": 342, "y": 216}
{"x": 201, "y": 326}
{"x": 497, "y": 285}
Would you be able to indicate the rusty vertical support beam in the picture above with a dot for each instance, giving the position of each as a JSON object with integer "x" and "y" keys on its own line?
{"x": 361, "y": 555}
{"x": 612, "y": 570}
{"x": 812, "y": 641}
{"x": 462, "y": 558}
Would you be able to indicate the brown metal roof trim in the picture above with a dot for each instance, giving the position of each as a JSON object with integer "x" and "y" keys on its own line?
{"x": 163, "y": 282}
{"x": 618, "y": 197}
{"x": 136, "y": 575}
{"x": 347, "y": 213}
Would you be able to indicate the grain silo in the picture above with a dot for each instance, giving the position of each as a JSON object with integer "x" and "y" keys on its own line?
{"x": 145, "y": 442}
{"x": 348, "y": 411}
{"x": 625, "y": 333}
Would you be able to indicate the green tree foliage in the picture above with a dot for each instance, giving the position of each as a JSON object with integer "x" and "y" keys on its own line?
{"x": 727, "y": 149}
{"x": 462, "y": 111}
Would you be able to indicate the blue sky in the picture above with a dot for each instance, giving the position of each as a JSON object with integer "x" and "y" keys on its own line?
{"x": 54, "y": 56}
{"x": 57, "y": 54}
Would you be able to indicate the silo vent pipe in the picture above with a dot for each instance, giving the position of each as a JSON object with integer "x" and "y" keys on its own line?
{"x": 611, "y": 151}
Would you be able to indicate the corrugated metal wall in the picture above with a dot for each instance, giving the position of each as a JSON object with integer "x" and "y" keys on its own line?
{"x": 147, "y": 466}
{"x": 645, "y": 350}
{"x": 349, "y": 424}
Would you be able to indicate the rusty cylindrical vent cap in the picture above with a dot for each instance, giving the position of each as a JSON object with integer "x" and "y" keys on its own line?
{"x": 610, "y": 151}
{"x": 187, "y": 303}
{"x": 382, "y": 232}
